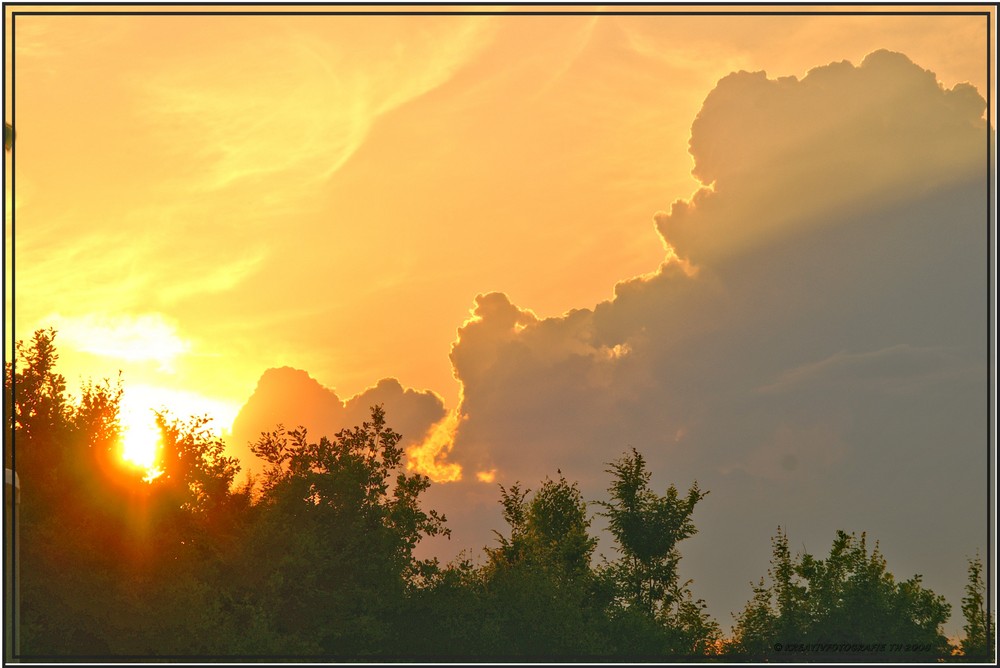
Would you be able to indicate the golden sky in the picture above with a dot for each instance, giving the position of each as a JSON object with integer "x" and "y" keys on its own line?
{"x": 199, "y": 199}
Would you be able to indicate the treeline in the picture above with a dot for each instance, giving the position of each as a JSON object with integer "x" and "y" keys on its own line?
{"x": 314, "y": 560}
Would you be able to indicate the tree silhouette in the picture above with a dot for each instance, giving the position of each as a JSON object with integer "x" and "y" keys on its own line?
{"x": 332, "y": 545}
{"x": 647, "y": 528}
{"x": 848, "y": 603}
{"x": 653, "y": 609}
{"x": 550, "y": 530}
{"x": 36, "y": 407}
{"x": 317, "y": 557}
{"x": 539, "y": 595}
{"x": 980, "y": 625}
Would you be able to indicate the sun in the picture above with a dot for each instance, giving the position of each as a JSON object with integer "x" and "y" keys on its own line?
{"x": 141, "y": 442}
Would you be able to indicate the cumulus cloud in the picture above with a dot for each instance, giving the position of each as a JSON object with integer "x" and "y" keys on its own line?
{"x": 791, "y": 149}
{"x": 293, "y": 398}
{"x": 824, "y": 367}
{"x": 812, "y": 349}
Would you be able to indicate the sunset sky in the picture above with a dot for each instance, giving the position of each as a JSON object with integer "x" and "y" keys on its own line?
{"x": 752, "y": 247}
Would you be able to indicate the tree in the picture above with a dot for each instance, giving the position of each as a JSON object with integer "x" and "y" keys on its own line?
{"x": 70, "y": 538}
{"x": 448, "y": 615}
{"x": 331, "y": 545}
{"x": 980, "y": 625}
{"x": 540, "y": 596}
{"x": 658, "y": 613}
{"x": 104, "y": 552}
{"x": 36, "y": 409}
{"x": 776, "y": 611}
{"x": 550, "y": 531}
{"x": 848, "y": 603}
{"x": 194, "y": 470}
{"x": 647, "y": 528}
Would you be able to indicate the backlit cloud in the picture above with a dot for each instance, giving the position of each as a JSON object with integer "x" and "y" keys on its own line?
{"x": 293, "y": 398}
{"x": 793, "y": 152}
{"x": 802, "y": 332}
{"x": 830, "y": 347}
{"x": 430, "y": 456}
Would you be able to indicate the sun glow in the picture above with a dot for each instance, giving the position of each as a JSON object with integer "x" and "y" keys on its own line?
{"x": 141, "y": 439}
{"x": 141, "y": 444}
{"x": 140, "y": 434}
{"x": 133, "y": 338}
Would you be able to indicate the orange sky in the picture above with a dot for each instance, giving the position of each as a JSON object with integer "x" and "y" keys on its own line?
{"x": 200, "y": 198}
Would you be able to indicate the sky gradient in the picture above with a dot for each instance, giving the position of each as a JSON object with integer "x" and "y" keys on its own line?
{"x": 753, "y": 247}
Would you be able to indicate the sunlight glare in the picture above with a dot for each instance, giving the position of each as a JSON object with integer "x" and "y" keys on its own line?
{"x": 141, "y": 442}
{"x": 134, "y": 338}
{"x": 141, "y": 437}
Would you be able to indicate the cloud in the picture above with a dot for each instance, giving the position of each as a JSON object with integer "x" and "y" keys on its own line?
{"x": 792, "y": 150}
{"x": 899, "y": 368}
{"x": 827, "y": 355}
{"x": 811, "y": 349}
{"x": 429, "y": 457}
{"x": 795, "y": 451}
{"x": 302, "y": 98}
{"x": 293, "y": 398}
{"x": 212, "y": 276}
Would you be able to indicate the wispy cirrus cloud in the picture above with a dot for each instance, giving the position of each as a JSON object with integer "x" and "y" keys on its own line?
{"x": 299, "y": 102}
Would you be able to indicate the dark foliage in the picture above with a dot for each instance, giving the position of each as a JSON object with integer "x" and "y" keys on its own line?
{"x": 315, "y": 559}
{"x": 980, "y": 626}
{"x": 849, "y": 600}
